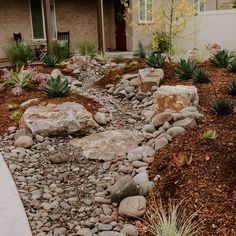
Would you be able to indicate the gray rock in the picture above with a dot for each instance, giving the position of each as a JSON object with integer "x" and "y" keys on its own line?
{"x": 100, "y": 118}
{"x": 149, "y": 128}
{"x": 138, "y": 164}
{"x": 143, "y": 183}
{"x": 22, "y": 132}
{"x": 139, "y": 153}
{"x": 129, "y": 230}
{"x": 188, "y": 122}
{"x": 24, "y": 142}
{"x": 84, "y": 232}
{"x": 110, "y": 233}
{"x": 160, "y": 143}
{"x": 123, "y": 188}
{"x": 159, "y": 119}
{"x": 58, "y": 158}
{"x": 175, "y": 131}
{"x": 132, "y": 207}
{"x": 140, "y": 96}
{"x": 104, "y": 227}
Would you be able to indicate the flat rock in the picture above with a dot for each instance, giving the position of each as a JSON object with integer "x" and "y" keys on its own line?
{"x": 108, "y": 145}
{"x": 110, "y": 233}
{"x": 175, "y": 97}
{"x": 22, "y": 132}
{"x": 123, "y": 188}
{"x": 160, "y": 143}
{"x": 161, "y": 118}
{"x": 84, "y": 232}
{"x": 173, "y": 131}
{"x": 188, "y": 122}
{"x": 132, "y": 207}
{"x": 65, "y": 118}
{"x": 139, "y": 153}
{"x": 129, "y": 230}
{"x": 24, "y": 142}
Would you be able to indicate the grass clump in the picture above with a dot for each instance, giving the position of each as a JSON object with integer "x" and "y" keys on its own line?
{"x": 87, "y": 48}
{"x": 142, "y": 51}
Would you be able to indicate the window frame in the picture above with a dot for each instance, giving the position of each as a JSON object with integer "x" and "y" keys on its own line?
{"x": 198, "y": 5}
{"x": 146, "y": 21}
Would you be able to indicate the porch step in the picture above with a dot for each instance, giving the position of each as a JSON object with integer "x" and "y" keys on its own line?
{"x": 13, "y": 219}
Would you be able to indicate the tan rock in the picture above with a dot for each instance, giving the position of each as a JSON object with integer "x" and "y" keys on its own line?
{"x": 161, "y": 118}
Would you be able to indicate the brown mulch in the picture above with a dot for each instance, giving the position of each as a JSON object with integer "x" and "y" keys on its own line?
{"x": 6, "y": 99}
{"x": 208, "y": 184}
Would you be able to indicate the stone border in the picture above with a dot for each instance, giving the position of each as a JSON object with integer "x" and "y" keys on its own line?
{"x": 13, "y": 219}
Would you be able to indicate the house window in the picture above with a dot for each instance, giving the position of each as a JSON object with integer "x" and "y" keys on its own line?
{"x": 199, "y": 5}
{"x": 145, "y": 11}
{"x": 37, "y": 19}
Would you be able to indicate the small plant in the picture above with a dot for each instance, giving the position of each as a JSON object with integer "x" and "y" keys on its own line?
{"x": 12, "y": 107}
{"x": 87, "y": 48}
{"x": 56, "y": 88}
{"x": 119, "y": 58}
{"x": 156, "y": 60}
{"x": 160, "y": 42}
{"x": 50, "y": 60}
{"x": 232, "y": 88}
{"x": 171, "y": 222}
{"x": 20, "y": 79}
{"x": 221, "y": 58}
{"x": 222, "y": 106}
{"x": 209, "y": 134}
{"x": 61, "y": 50}
{"x": 40, "y": 79}
{"x": 181, "y": 159}
{"x": 185, "y": 69}
{"x": 142, "y": 51}
{"x": 16, "y": 116}
{"x": 43, "y": 104}
{"x": 200, "y": 76}
{"x": 20, "y": 53}
{"x": 232, "y": 66}
{"x": 102, "y": 58}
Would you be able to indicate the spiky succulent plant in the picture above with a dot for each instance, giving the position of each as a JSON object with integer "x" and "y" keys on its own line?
{"x": 221, "y": 106}
{"x": 200, "y": 76}
{"x": 222, "y": 58}
{"x": 185, "y": 69}
{"x": 232, "y": 66}
{"x": 56, "y": 87}
{"x": 232, "y": 88}
{"x": 156, "y": 60}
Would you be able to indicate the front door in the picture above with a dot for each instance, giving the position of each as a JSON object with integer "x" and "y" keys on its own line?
{"x": 120, "y": 25}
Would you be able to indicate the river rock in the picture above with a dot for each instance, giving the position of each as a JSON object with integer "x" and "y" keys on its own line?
{"x": 24, "y": 142}
{"x": 161, "y": 118}
{"x": 108, "y": 145}
{"x": 100, "y": 118}
{"x": 129, "y": 230}
{"x": 188, "y": 122}
{"x": 143, "y": 183}
{"x": 65, "y": 118}
{"x": 173, "y": 131}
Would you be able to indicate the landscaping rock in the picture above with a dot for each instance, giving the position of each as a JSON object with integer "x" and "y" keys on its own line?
{"x": 65, "y": 118}
{"x": 188, "y": 122}
{"x": 148, "y": 78}
{"x": 100, "y": 118}
{"x": 160, "y": 143}
{"x": 143, "y": 183}
{"x": 159, "y": 119}
{"x": 132, "y": 207}
{"x": 58, "y": 158}
{"x": 110, "y": 233}
{"x": 84, "y": 232}
{"x": 108, "y": 145}
{"x": 175, "y": 97}
{"x": 175, "y": 131}
{"x": 139, "y": 153}
{"x": 22, "y": 132}
{"x": 24, "y": 142}
{"x": 149, "y": 128}
{"x": 28, "y": 102}
{"x": 129, "y": 230}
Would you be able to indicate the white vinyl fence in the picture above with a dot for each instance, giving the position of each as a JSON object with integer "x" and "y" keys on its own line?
{"x": 211, "y": 26}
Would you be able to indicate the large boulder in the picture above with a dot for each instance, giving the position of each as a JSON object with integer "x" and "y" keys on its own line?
{"x": 148, "y": 78}
{"x": 108, "y": 145}
{"x": 175, "y": 98}
{"x": 52, "y": 120}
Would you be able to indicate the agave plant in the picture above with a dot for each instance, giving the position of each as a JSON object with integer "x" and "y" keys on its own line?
{"x": 222, "y": 106}
{"x": 56, "y": 87}
{"x": 222, "y": 58}
{"x": 232, "y": 66}
{"x": 50, "y": 60}
{"x": 156, "y": 60}
{"x": 232, "y": 88}
{"x": 185, "y": 69}
{"x": 21, "y": 79}
{"x": 200, "y": 76}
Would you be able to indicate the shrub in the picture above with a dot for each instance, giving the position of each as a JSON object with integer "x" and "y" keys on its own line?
{"x": 200, "y": 76}
{"x": 60, "y": 50}
{"x": 50, "y": 60}
{"x": 172, "y": 222}
{"x": 156, "y": 60}
{"x": 185, "y": 69}
{"x": 209, "y": 134}
{"x": 102, "y": 58}
{"x": 222, "y": 58}
{"x": 56, "y": 88}
{"x": 232, "y": 88}
{"x": 221, "y": 106}
{"x": 16, "y": 116}
{"x": 232, "y": 66}
{"x": 87, "y": 48}
{"x": 160, "y": 42}
{"x": 142, "y": 51}
{"x": 19, "y": 54}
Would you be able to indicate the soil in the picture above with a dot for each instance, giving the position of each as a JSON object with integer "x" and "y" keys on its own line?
{"x": 208, "y": 184}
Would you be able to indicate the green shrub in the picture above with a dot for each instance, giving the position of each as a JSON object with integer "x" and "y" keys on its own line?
{"x": 16, "y": 116}
{"x": 61, "y": 50}
{"x": 19, "y": 54}
{"x": 50, "y": 60}
{"x": 232, "y": 88}
{"x": 156, "y": 60}
{"x": 221, "y": 59}
{"x": 142, "y": 51}
{"x": 221, "y": 106}
{"x": 185, "y": 69}
{"x": 200, "y": 76}
{"x": 87, "y": 48}
{"x": 56, "y": 88}
{"x": 160, "y": 42}
{"x": 232, "y": 66}
{"x": 171, "y": 222}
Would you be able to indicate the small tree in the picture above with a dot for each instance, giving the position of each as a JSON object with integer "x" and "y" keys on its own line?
{"x": 168, "y": 16}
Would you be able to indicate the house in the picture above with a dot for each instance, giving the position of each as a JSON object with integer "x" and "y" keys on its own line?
{"x": 98, "y": 21}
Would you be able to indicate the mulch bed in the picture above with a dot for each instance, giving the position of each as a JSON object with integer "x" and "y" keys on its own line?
{"x": 208, "y": 183}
